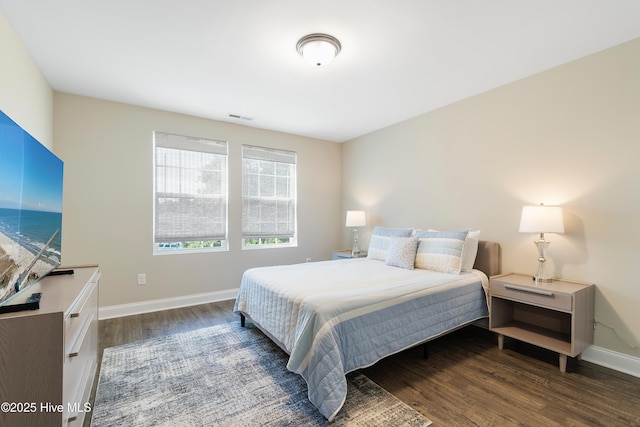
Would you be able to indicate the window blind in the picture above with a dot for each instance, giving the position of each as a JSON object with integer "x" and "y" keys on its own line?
{"x": 268, "y": 192}
{"x": 190, "y": 180}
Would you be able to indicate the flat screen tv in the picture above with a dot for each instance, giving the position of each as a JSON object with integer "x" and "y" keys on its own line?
{"x": 30, "y": 210}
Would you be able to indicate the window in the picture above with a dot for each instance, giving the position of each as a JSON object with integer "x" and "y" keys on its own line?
{"x": 190, "y": 194}
{"x": 268, "y": 197}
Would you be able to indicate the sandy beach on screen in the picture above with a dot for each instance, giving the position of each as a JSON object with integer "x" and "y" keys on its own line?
{"x": 19, "y": 255}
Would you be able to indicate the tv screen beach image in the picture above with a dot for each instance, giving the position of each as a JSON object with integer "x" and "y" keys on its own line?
{"x": 30, "y": 209}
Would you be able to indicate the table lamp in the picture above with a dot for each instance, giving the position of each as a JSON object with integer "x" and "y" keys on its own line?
{"x": 356, "y": 219}
{"x": 541, "y": 219}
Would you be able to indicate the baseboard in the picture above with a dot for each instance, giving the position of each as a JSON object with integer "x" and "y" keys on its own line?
{"x": 611, "y": 359}
{"x": 122, "y": 310}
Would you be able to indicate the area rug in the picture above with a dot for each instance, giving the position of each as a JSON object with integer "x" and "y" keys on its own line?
{"x": 225, "y": 375}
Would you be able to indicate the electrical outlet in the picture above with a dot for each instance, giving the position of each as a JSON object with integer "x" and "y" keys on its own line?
{"x": 142, "y": 279}
{"x": 308, "y": 259}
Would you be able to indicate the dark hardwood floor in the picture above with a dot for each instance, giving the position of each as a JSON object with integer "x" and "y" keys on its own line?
{"x": 466, "y": 381}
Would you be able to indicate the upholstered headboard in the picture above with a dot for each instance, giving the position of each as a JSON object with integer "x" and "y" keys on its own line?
{"x": 489, "y": 258}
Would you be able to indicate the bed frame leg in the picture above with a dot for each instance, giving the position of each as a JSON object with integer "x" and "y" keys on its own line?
{"x": 425, "y": 351}
{"x": 242, "y": 320}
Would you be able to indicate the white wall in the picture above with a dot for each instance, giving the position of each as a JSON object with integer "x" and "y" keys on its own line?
{"x": 108, "y": 200}
{"x": 25, "y": 95}
{"x": 569, "y": 136}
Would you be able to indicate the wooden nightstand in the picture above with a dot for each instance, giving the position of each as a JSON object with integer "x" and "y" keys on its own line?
{"x": 345, "y": 254}
{"x": 558, "y": 315}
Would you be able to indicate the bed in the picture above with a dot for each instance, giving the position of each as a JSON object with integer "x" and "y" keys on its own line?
{"x": 333, "y": 317}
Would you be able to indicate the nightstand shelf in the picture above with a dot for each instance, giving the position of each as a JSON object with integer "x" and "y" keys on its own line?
{"x": 557, "y": 316}
{"x": 541, "y": 337}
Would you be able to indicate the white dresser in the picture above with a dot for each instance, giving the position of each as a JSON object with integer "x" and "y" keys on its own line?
{"x": 48, "y": 357}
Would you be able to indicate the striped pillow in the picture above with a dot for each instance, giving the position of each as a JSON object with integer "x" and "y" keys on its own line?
{"x": 380, "y": 238}
{"x": 440, "y": 250}
{"x": 470, "y": 250}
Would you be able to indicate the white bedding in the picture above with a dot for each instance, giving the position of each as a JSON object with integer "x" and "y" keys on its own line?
{"x": 333, "y": 317}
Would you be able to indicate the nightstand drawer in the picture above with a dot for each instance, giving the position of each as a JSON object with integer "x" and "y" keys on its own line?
{"x": 532, "y": 295}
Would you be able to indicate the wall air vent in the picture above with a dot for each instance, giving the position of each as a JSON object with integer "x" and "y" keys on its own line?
{"x": 239, "y": 117}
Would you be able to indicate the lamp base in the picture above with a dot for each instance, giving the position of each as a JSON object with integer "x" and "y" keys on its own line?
{"x": 355, "y": 250}
{"x": 541, "y": 275}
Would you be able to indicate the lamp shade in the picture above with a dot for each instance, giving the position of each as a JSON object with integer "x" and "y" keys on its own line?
{"x": 541, "y": 219}
{"x": 356, "y": 219}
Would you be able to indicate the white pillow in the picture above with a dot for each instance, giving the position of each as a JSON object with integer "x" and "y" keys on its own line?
{"x": 402, "y": 252}
{"x": 470, "y": 250}
{"x": 440, "y": 250}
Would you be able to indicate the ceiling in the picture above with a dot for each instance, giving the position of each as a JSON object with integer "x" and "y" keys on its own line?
{"x": 399, "y": 59}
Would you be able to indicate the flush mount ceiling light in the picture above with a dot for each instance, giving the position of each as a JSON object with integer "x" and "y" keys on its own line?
{"x": 318, "y": 49}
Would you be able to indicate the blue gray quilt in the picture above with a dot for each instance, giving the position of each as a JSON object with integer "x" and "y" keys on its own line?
{"x": 334, "y": 317}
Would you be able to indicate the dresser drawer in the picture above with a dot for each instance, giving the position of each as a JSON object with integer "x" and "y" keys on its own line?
{"x": 79, "y": 368}
{"x": 80, "y": 313}
{"x": 532, "y": 295}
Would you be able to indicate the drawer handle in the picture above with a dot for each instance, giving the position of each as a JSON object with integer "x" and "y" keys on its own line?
{"x": 86, "y": 296}
{"x": 529, "y": 290}
{"x": 80, "y": 338}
